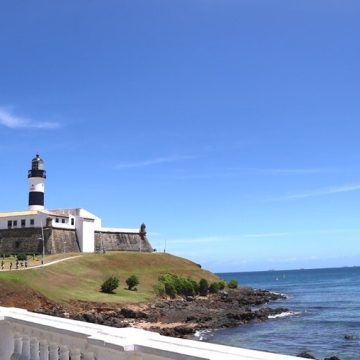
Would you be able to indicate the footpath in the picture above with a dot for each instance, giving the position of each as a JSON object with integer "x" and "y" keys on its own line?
{"x": 41, "y": 265}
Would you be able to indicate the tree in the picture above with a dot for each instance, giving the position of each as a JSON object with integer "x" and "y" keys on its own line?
{"x": 214, "y": 288}
{"x": 233, "y": 284}
{"x": 110, "y": 285}
{"x": 21, "y": 257}
{"x": 132, "y": 281}
{"x": 203, "y": 287}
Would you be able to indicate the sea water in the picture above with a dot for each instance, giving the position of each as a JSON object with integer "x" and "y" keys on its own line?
{"x": 324, "y": 309}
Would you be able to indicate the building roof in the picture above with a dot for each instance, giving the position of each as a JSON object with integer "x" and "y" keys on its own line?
{"x": 19, "y": 213}
{"x": 60, "y": 215}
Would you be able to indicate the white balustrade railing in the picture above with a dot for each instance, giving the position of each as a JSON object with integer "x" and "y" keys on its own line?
{"x": 29, "y": 336}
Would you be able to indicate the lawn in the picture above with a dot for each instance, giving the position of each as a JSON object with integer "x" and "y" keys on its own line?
{"x": 80, "y": 278}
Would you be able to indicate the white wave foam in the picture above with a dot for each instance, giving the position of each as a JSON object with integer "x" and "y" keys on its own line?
{"x": 282, "y": 294}
{"x": 284, "y": 314}
{"x": 200, "y": 334}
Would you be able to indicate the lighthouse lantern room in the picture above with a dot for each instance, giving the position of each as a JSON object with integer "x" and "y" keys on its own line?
{"x": 36, "y": 176}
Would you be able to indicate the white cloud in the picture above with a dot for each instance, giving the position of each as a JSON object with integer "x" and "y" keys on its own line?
{"x": 150, "y": 162}
{"x": 323, "y": 191}
{"x": 8, "y": 119}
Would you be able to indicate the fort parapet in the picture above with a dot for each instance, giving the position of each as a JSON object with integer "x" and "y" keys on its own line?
{"x": 60, "y": 240}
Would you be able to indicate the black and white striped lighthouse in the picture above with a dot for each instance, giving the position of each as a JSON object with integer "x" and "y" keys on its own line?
{"x": 36, "y": 176}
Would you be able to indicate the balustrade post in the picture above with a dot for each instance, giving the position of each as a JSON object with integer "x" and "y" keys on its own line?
{"x": 17, "y": 347}
{"x": 44, "y": 350}
{"x": 64, "y": 352}
{"x": 89, "y": 356}
{"x": 75, "y": 354}
{"x": 25, "y": 354}
{"x": 54, "y": 351}
{"x": 136, "y": 356}
{"x": 34, "y": 349}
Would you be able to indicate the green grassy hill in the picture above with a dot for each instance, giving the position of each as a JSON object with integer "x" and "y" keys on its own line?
{"x": 80, "y": 278}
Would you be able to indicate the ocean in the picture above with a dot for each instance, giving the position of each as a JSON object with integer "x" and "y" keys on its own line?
{"x": 324, "y": 307}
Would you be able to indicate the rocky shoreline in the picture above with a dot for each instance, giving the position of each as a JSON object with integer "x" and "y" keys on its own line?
{"x": 180, "y": 317}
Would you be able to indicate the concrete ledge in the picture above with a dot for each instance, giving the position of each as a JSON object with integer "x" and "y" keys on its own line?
{"x": 107, "y": 343}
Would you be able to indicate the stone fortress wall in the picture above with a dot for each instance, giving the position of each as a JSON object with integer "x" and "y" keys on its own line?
{"x": 29, "y": 241}
{"x": 109, "y": 241}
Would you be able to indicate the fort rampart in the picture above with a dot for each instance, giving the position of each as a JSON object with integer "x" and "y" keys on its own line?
{"x": 29, "y": 240}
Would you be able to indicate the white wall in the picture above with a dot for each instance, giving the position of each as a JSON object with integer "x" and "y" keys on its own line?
{"x": 63, "y": 225}
{"x": 39, "y": 220}
{"x": 85, "y": 231}
{"x": 79, "y": 212}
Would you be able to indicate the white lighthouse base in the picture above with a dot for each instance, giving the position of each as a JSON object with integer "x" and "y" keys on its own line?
{"x": 36, "y": 207}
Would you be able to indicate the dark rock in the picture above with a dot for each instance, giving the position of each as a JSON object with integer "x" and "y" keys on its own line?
{"x": 350, "y": 337}
{"x": 305, "y": 355}
{"x": 177, "y": 331}
{"x": 230, "y": 308}
{"x": 132, "y": 314}
{"x": 224, "y": 294}
{"x": 115, "y": 322}
{"x": 90, "y": 317}
{"x": 332, "y": 358}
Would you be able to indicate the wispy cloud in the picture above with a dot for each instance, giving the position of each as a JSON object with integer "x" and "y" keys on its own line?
{"x": 218, "y": 238}
{"x": 265, "y": 235}
{"x": 10, "y": 120}
{"x": 239, "y": 172}
{"x": 322, "y": 192}
{"x": 300, "y": 233}
{"x": 155, "y": 161}
{"x": 291, "y": 171}
{"x": 192, "y": 240}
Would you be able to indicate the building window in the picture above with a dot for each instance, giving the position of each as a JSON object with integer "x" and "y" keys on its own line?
{"x": 72, "y": 221}
{"x": 23, "y": 222}
{"x": 9, "y": 224}
{"x": 63, "y": 221}
{"x": 15, "y": 223}
{"x": 57, "y": 220}
{"x": 32, "y": 222}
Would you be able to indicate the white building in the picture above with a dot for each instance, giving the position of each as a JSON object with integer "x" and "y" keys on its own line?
{"x": 84, "y": 223}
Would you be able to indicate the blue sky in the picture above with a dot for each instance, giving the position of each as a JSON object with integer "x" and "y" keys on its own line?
{"x": 230, "y": 127}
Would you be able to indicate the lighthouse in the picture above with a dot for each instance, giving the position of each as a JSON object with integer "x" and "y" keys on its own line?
{"x": 36, "y": 176}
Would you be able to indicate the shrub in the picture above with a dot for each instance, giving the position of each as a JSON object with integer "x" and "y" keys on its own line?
{"x": 159, "y": 289}
{"x": 194, "y": 284}
{"x": 21, "y": 257}
{"x": 110, "y": 285}
{"x": 214, "y": 287}
{"x": 222, "y": 284}
{"x": 187, "y": 288}
{"x": 170, "y": 289}
{"x": 203, "y": 287}
{"x": 233, "y": 284}
{"x": 177, "y": 285}
{"x": 132, "y": 281}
